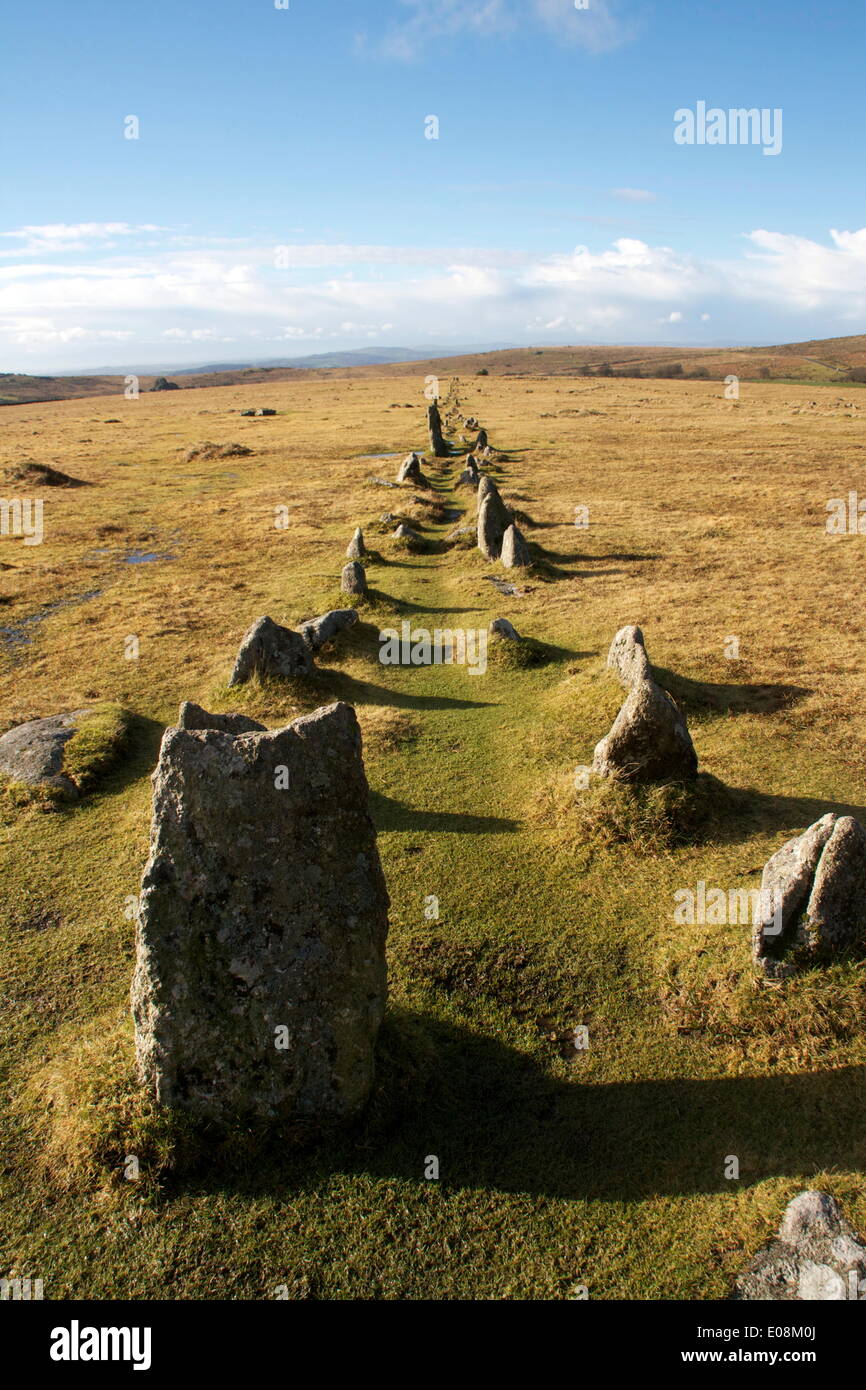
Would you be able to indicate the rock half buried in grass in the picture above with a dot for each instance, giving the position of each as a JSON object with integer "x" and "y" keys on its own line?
{"x": 192, "y": 716}
{"x": 356, "y": 547}
{"x": 32, "y": 753}
{"x": 649, "y": 740}
{"x": 267, "y": 649}
{"x": 813, "y": 896}
{"x": 260, "y": 977}
{"x": 318, "y": 631}
{"x": 816, "y": 1256}
{"x": 627, "y": 656}
{"x": 515, "y": 551}
{"x": 501, "y": 627}
{"x": 353, "y": 579}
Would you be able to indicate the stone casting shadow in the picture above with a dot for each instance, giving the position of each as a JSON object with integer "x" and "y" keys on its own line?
{"x": 728, "y": 698}
{"x": 499, "y": 1122}
{"x": 337, "y": 685}
{"x": 390, "y": 814}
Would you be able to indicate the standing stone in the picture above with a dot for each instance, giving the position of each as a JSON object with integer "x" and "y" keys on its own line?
{"x": 270, "y": 650}
{"x": 356, "y": 547}
{"x": 192, "y": 716}
{"x": 816, "y": 1257}
{"x": 501, "y": 627}
{"x": 481, "y": 441}
{"x": 406, "y": 533}
{"x": 470, "y": 476}
{"x": 354, "y": 578}
{"x": 813, "y": 896}
{"x": 260, "y": 978}
{"x": 649, "y": 740}
{"x": 438, "y": 447}
{"x": 493, "y": 520}
{"x": 410, "y": 470}
{"x": 515, "y": 552}
{"x": 628, "y": 657}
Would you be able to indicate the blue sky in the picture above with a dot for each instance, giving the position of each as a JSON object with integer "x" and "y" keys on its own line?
{"x": 554, "y": 207}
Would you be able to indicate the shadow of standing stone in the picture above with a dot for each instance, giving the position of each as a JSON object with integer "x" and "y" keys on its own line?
{"x": 260, "y": 978}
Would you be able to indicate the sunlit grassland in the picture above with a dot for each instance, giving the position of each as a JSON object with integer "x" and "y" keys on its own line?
{"x": 559, "y": 1168}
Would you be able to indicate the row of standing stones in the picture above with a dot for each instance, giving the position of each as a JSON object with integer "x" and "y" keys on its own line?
{"x": 260, "y": 977}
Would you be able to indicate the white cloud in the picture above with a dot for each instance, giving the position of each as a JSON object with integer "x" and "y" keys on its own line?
{"x": 597, "y": 28}
{"x": 342, "y": 295}
{"x": 634, "y": 195}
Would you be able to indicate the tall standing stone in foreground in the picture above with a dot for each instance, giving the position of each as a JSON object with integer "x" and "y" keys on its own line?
{"x": 649, "y": 740}
{"x": 816, "y": 1257}
{"x": 438, "y": 447}
{"x": 353, "y": 579}
{"x": 260, "y": 956}
{"x": 267, "y": 649}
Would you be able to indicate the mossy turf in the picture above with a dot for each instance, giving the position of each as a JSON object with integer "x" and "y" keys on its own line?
{"x": 559, "y": 1165}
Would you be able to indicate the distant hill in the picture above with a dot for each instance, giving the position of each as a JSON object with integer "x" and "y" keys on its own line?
{"x": 822, "y": 361}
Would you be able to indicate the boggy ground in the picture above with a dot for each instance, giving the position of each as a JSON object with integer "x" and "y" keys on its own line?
{"x": 560, "y": 1168}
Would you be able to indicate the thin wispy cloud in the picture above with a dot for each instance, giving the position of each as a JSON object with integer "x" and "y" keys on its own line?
{"x": 599, "y": 28}
{"x": 634, "y": 195}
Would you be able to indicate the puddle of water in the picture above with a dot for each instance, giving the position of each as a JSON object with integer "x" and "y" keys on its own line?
{"x": 20, "y": 634}
{"x": 144, "y": 557}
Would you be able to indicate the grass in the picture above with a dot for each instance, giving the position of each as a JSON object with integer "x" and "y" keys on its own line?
{"x": 558, "y": 1167}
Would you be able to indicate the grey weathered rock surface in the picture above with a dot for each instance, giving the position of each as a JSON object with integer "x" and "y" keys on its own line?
{"x": 816, "y": 1256}
{"x": 33, "y": 752}
{"x": 816, "y": 885}
{"x": 410, "y": 470}
{"x": 649, "y": 740}
{"x": 317, "y": 631}
{"x": 354, "y": 578}
{"x": 493, "y": 519}
{"x": 438, "y": 447}
{"x": 481, "y": 441}
{"x": 836, "y": 910}
{"x": 270, "y": 650}
{"x": 192, "y": 716}
{"x": 356, "y": 547}
{"x": 628, "y": 657}
{"x": 260, "y": 977}
{"x": 515, "y": 551}
{"x": 503, "y": 628}
{"x": 405, "y": 533}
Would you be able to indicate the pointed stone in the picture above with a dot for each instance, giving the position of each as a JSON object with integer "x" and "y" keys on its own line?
{"x": 649, "y": 740}
{"x": 356, "y": 547}
{"x": 493, "y": 521}
{"x": 270, "y": 650}
{"x": 410, "y": 470}
{"x": 515, "y": 551}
